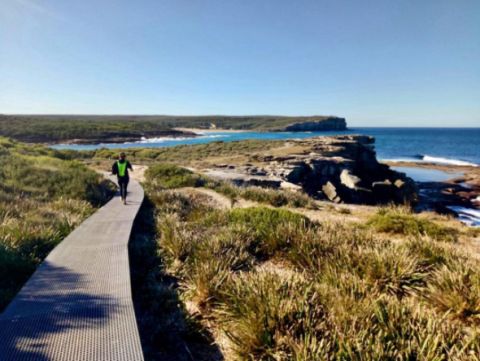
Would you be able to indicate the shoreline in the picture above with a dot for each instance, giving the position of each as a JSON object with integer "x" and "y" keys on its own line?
{"x": 470, "y": 174}
{"x": 457, "y": 195}
{"x": 200, "y": 131}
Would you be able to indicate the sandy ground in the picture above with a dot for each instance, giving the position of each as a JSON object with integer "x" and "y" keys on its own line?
{"x": 138, "y": 172}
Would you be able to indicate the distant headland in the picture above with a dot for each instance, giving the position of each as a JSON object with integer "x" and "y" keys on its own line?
{"x": 89, "y": 129}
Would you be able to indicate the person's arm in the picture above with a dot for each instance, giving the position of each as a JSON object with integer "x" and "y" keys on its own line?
{"x": 114, "y": 168}
{"x": 129, "y": 165}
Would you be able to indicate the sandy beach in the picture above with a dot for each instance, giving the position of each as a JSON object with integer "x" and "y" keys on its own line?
{"x": 210, "y": 130}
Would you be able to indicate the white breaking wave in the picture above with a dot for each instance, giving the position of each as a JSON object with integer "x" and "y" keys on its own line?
{"x": 430, "y": 159}
{"x": 440, "y": 160}
{"x": 171, "y": 139}
{"x": 468, "y": 216}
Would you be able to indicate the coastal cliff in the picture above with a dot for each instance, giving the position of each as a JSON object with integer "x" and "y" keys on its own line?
{"x": 342, "y": 169}
{"x": 331, "y": 123}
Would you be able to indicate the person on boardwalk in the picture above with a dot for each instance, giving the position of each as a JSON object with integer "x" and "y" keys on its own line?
{"x": 120, "y": 168}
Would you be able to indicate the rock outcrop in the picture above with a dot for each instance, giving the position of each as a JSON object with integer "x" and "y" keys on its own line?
{"x": 332, "y": 123}
{"x": 340, "y": 169}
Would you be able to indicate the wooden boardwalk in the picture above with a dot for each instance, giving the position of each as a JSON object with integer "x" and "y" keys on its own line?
{"x": 78, "y": 304}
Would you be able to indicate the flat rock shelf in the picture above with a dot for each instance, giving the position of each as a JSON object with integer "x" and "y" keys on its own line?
{"x": 78, "y": 304}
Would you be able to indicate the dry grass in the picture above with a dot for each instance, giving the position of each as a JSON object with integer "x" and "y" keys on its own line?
{"x": 42, "y": 198}
{"x": 272, "y": 284}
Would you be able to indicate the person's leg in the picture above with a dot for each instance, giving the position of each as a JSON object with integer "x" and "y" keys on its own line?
{"x": 123, "y": 192}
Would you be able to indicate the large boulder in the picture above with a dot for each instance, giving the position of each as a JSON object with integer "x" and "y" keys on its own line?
{"x": 330, "y": 192}
{"x": 349, "y": 180}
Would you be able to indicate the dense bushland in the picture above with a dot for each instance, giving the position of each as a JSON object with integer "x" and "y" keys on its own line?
{"x": 42, "y": 198}
{"x": 272, "y": 285}
{"x": 54, "y": 128}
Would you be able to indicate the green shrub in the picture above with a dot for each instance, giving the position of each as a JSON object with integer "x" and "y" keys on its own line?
{"x": 264, "y": 316}
{"x": 326, "y": 245}
{"x": 272, "y": 229}
{"x": 403, "y": 222}
{"x": 393, "y": 330}
{"x": 432, "y": 254}
{"x": 204, "y": 278}
{"x": 171, "y": 176}
{"x": 456, "y": 290}
{"x": 269, "y": 196}
{"x": 176, "y": 241}
{"x": 265, "y": 219}
{"x": 389, "y": 270}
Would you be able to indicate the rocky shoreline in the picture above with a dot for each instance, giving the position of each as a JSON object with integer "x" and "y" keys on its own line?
{"x": 342, "y": 169}
{"x": 452, "y": 192}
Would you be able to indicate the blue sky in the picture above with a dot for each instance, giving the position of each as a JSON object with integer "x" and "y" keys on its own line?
{"x": 377, "y": 63}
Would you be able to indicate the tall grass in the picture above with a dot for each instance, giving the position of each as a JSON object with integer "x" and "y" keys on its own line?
{"x": 42, "y": 198}
{"x": 277, "y": 286}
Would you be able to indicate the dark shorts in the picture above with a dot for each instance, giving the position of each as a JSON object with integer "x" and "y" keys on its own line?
{"x": 123, "y": 180}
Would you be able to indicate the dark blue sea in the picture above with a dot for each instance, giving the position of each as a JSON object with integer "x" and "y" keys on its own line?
{"x": 441, "y": 145}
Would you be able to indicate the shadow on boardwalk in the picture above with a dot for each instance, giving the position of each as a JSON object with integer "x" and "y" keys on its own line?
{"x": 166, "y": 330}
{"x": 51, "y": 316}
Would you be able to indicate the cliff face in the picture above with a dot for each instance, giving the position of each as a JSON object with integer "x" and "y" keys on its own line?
{"x": 332, "y": 123}
{"x": 340, "y": 169}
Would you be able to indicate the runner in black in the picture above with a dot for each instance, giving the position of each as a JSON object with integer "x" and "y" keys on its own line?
{"x": 120, "y": 168}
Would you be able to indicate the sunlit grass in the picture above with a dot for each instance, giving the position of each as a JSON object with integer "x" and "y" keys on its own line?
{"x": 277, "y": 286}
{"x": 42, "y": 199}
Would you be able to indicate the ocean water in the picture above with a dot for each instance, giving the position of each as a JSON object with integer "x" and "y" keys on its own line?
{"x": 439, "y": 145}
{"x": 456, "y": 146}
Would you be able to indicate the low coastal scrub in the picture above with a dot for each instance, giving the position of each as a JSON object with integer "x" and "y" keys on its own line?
{"x": 183, "y": 154}
{"x": 42, "y": 198}
{"x": 400, "y": 220}
{"x": 270, "y": 284}
{"x": 170, "y": 176}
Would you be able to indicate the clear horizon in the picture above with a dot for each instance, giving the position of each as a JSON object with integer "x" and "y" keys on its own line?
{"x": 378, "y": 64}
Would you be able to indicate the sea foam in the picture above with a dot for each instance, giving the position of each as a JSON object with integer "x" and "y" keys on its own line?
{"x": 468, "y": 216}
{"x": 440, "y": 160}
{"x": 171, "y": 139}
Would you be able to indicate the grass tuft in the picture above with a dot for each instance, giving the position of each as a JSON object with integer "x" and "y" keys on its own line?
{"x": 402, "y": 221}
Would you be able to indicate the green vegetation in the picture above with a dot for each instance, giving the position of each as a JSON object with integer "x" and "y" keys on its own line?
{"x": 274, "y": 197}
{"x": 42, "y": 198}
{"x": 181, "y": 154}
{"x": 272, "y": 285}
{"x": 401, "y": 221}
{"x": 55, "y": 128}
{"x": 169, "y": 176}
